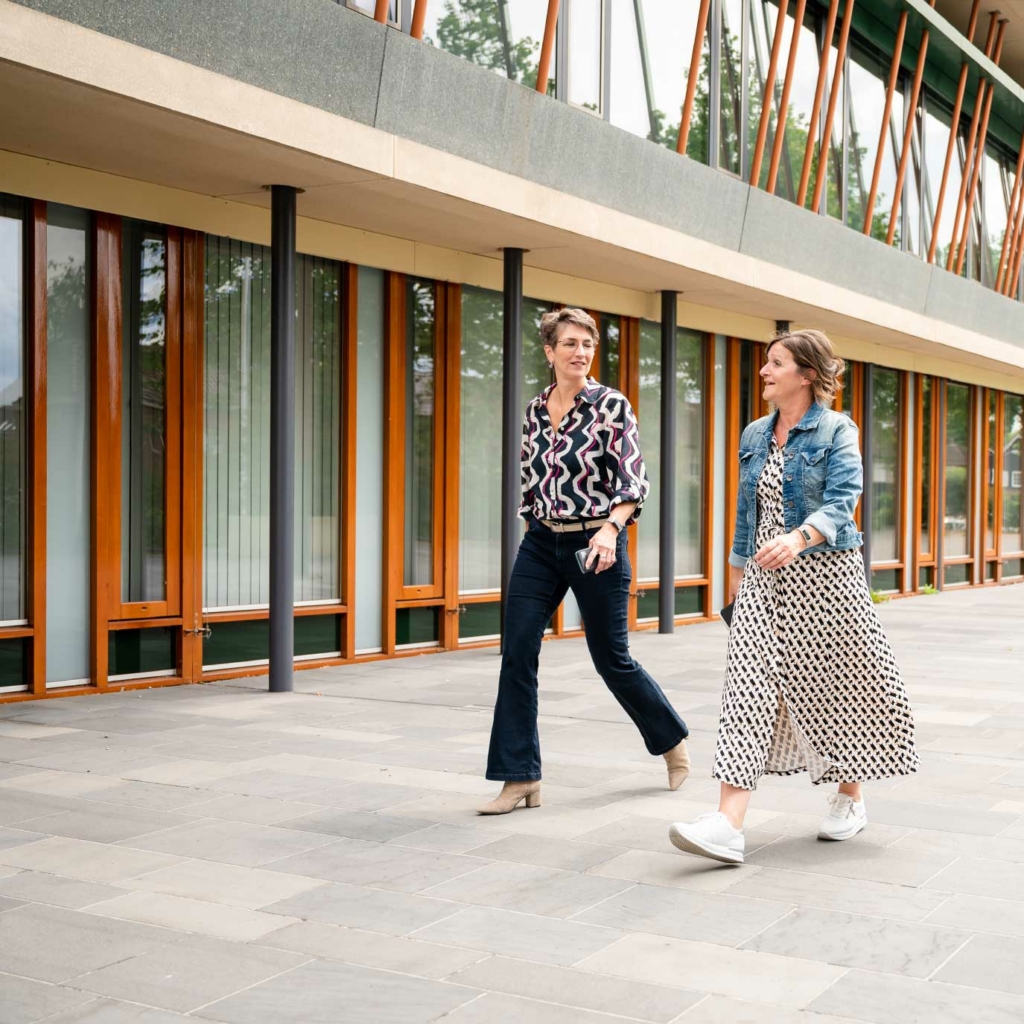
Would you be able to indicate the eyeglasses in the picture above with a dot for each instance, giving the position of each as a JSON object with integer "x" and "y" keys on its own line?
{"x": 567, "y": 345}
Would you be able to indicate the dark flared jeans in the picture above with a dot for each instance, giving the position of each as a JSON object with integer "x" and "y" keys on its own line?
{"x": 545, "y": 569}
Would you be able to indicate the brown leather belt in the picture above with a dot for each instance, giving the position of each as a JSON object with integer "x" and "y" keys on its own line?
{"x": 573, "y": 527}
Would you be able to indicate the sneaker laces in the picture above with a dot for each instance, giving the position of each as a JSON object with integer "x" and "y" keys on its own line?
{"x": 840, "y": 805}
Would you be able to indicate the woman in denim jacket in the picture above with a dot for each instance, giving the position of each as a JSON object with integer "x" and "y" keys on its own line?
{"x": 811, "y": 681}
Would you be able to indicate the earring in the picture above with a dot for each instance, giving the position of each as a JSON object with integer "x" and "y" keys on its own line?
{"x": 551, "y": 366}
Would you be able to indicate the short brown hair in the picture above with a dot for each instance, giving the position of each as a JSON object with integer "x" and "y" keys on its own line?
{"x": 551, "y": 323}
{"x": 816, "y": 359}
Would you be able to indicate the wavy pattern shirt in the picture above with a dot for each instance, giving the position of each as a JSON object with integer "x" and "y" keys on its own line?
{"x": 591, "y": 465}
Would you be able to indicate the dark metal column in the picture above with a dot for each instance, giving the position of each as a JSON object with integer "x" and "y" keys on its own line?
{"x": 511, "y": 417}
{"x": 866, "y": 437}
{"x": 282, "y": 437}
{"x": 667, "y": 505}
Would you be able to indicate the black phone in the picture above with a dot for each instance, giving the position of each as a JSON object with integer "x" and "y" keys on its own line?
{"x": 581, "y": 558}
{"x": 727, "y": 614}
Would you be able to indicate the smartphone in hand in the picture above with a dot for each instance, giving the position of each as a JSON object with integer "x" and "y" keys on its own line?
{"x": 581, "y": 557}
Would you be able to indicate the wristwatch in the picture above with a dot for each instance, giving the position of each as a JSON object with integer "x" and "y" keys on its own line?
{"x": 618, "y": 526}
{"x": 806, "y": 534}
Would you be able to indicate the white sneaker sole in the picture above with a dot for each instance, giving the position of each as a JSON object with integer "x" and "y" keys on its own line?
{"x": 683, "y": 842}
{"x": 840, "y": 837}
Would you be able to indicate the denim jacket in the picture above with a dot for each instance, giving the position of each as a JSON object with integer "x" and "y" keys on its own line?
{"x": 822, "y": 481}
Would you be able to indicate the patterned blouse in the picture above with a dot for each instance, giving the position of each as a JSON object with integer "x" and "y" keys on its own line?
{"x": 590, "y": 466}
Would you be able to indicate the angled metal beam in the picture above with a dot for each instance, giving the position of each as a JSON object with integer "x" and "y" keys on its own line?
{"x": 954, "y": 134}
{"x": 908, "y": 136}
{"x": 1018, "y": 250}
{"x": 833, "y": 100}
{"x": 419, "y": 15}
{"x": 769, "y": 95}
{"x": 645, "y": 66}
{"x": 693, "y": 74}
{"x": 787, "y": 86}
{"x": 819, "y": 93}
{"x": 1009, "y": 234}
{"x": 894, "y": 75}
{"x": 547, "y": 47}
{"x": 380, "y": 12}
{"x": 979, "y": 102}
{"x": 979, "y": 158}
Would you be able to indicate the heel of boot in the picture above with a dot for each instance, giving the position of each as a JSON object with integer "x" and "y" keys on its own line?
{"x": 533, "y": 799}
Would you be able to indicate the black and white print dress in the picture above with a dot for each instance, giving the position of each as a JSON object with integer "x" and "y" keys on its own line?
{"x": 811, "y": 681}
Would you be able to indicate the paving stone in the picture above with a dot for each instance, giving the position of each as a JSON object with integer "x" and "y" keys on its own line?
{"x": 321, "y": 988}
{"x": 545, "y": 939}
{"x": 90, "y": 862}
{"x": 373, "y": 949}
{"x": 529, "y": 889}
{"x": 568, "y": 854}
{"x": 54, "y": 944}
{"x": 503, "y": 1009}
{"x": 701, "y": 966}
{"x": 674, "y": 869}
{"x": 353, "y": 906}
{"x": 897, "y": 902}
{"x": 187, "y": 915}
{"x": 703, "y": 917}
{"x": 113, "y": 1011}
{"x": 188, "y": 974}
{"x": 106, "y": 823}
{"x": 723, "y": 1010}
{"x": 222, "y": 883}
{"x": 637, "y": 832}
{"x": 37, "y": 887}
{"x": 255, "y": 810}
{"x": 448, "y": 839}
{"x": 374, "y": 827}
{"x": 386, "y": 867}
{"x": 230, "y": 842}
{"x": 23, "y": 1001}
{"x": 12, "y": 837}
{"x": 855, "y": 940}
{"x": 994, "y": 878}
{"x": 988, "y": 962}
{"x": 979, "y": 914}
{"x": 890, "y": 999}
{"x": 580, "y": 989}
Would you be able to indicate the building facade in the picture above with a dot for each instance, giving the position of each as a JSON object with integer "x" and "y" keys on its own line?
{"x": 726, "y": 164}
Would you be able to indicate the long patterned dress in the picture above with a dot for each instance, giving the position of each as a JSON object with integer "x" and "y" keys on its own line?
{"x": 811, "y": 681}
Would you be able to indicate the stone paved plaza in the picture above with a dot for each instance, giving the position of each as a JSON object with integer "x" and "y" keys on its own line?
{"x": 220, "y": 853}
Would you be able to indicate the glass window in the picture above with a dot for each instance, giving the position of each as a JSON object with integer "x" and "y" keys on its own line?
{"x": 608, "y": 350}
{"x": 834, "y": 172}
{"x": 733, "y": 82}
{"x": 13, "y": 451}
{"x": 480, "y": 621}
{"x": 886, "y": 444}
{"x": 914, "y": 184}
{"x": 956, "y": 515}
{"x": 504, "y": 37}
{"x": 236, "y": 427}
{"x": 417, "y": 627}
{"x": 68, "y": 459}
{"x": 144, "y": 413}
{"x": 867, "y": 105}
{"x": 370, "y": 461}
{"x": 689, "y": 498}
{"x": 926, "y": 482}
{"x": 536, "y": 373}
{"x": 936, "y": 137}
{"x": 585, "y": 44}
{"x": 480, "y": 444}
{"x": 990, "y": 477}
{"x": 14, "y": 664}
{"x": 631, "y": 98}
{"x": 420, "y": 425}
{"x": 142, "y": 652}
{"x": 1013, "y": 486}
{"x": 248, "y": 642}
{"x": 997, "y": 184}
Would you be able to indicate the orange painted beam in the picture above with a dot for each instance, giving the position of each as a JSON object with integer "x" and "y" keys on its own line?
{"x": 380, "y": 12}
{"x": 972, "y": 24}
{"x": 819, "y": 92}
{"x": 954, "y": 134}
{"x": 693, "y": 75}
{"x": 883, "y": 135}
{"x": 769, "y": 93}
{"x": 830, "y": 114}
{"x": 787, "y": 87}
{"x": 1006, "y": 251}
{"x": 547, "y": 47}
{"x": 908, "y": 135}
{"x": 419, "y": 15}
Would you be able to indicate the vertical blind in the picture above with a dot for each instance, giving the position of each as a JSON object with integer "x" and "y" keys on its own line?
{"x": 236, "y": 427}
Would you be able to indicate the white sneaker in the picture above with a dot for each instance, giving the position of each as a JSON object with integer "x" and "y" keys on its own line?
{"x": 711, "y": 835}
{"x": 845, "y": 818}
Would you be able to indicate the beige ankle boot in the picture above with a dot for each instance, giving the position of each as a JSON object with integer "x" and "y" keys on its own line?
{"x": 678, "y": 761}
{"x": 511, "y": 796}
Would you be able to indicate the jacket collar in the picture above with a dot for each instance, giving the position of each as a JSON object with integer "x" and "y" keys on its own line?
{"x": 809, "y": 421}
{"x": 590, "y": 393}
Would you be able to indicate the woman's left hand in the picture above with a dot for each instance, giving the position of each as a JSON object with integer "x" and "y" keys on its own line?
{"x": 603, "y": 542}
{"x": 780, "y": 551}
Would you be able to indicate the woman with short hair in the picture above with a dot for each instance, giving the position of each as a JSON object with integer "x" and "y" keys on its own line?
{"x": 811, "y": 681}
{"x": 583, "y": 482}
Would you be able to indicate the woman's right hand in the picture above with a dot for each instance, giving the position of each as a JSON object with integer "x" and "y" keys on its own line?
{"x": 735, "y": 577}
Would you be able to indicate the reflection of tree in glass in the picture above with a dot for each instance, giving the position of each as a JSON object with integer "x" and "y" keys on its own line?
{"x": 472, "y": 29}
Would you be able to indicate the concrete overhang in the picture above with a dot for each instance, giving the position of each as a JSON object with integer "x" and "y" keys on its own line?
{"x": 81, "y": 99}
